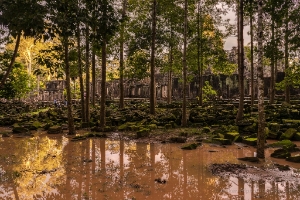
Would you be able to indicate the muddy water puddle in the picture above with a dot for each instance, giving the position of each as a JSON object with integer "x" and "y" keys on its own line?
{"x": 52, "y": 167}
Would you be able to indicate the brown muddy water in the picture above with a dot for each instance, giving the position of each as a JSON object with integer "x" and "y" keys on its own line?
{"x": 53, "y": 167}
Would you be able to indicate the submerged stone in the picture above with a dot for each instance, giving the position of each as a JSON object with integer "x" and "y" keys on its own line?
{"x": 295, "y": 158}
{"x": 288, "y": 134}
{"x": 190, "y": 146}
{"x": 55, "y": 130}
{"x": 177, "y": 139}
{"x": 281, "y": 153}
{"x": 222, "y": 141}
{"x": 250, "y": 141}
{"x": 249, "y": 159}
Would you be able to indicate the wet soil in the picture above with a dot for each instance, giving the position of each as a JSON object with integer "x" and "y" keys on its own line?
{"x": 53, "y": 167}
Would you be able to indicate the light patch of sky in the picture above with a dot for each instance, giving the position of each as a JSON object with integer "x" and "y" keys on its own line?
{"x": 232, "y": 40}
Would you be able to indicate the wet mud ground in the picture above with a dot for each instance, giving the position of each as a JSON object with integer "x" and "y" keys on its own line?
{"x": 53, "y": 167}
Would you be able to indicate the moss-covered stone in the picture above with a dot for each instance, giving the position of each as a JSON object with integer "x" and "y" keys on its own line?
{"x": 274, "y": 127}
{"x": 295, "y": 158}
{"x": 152, "y": 126}
{"x": 221, "y": 141}
{"x": 205, "y": 129}
{"x": 177, "y": 139}
{"x": 286, "y": 144}
{"x": 288, "y": 134}
{"x": 190, "y": 146}
{"x": 55, "y": 130}
{"x": 250, "y": 141}
{"x": 19, "y": 129}
{"x": 231, "y": 135}
{"x": 296, "y": 136}
{"x": 280, "y": 153}
{"x": 144, "y": 132}
{"x": 249, "y": 159}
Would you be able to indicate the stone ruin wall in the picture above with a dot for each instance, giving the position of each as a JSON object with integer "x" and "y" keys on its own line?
{"x": 226, "y": 86}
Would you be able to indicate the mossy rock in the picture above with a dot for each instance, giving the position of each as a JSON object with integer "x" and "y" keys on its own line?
{"x": 55, "y": 130}
{"x": 231, "y": 135}
{"x": 134, "y": 128}
{"x": 274, "y": 127}
{"x": 288, "y": 134}
{"x": 296, "y": 136}
{"x": 190, "y": 146}
{"x": 280, "y": 153}
{"x": 285, "y": 144}
{"x": 144, "y": 132}
{"x": 205, "y": 129}
{"x": 250, "y": 141}
{"x": 36, "y": 124}
{"x": 274, "y": 135}
{"x": 19, "y": 129}
{"x": 250, "y": 159}
{"x": 126, "y": 126}
{"x": 250, "y": 129}
{"x": 221, "y": 141}
{"x": 177, "y": 139}
{"x": 295, "y": 158}
{"x": 152, "y": 126}
{"x": 168, "y": 126}
{"x": 79, "y": 137}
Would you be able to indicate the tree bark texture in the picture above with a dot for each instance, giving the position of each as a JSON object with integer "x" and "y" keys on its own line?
{"x": 260, "y": 79}
{"x": 68, "y": 88}
{"x": 80, "y": 75}
{"x": 241, "y": 67}
{"x": 152, "y": 70}
{"x": 12, "y": 62}
{"x": 184, "y": 66}
{"x": 103, "y": 87}
{"x": 121, "y": 103}
{"x": 87, "y": 76}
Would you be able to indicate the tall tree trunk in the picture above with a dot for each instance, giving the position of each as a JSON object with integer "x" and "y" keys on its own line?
{"x": 240, "y": 113}
{"x": 200, "y": 53}
{"x": 93, "y": 76}
{"x": 260, "y": 79}
{"x": 68, "y": 88}
{"x": 13, "y": 59}
{"x": 184, "y": 65}
{"x": 169, "y": 94}
{"x": 103, "y": 87}
{"x": 121, "y": 103}
{"x": 152, "y": 70}
{"x": 251, "y": 58}
{"x": 87, "y": 72}
{"x": 286, "y": 56}
{"x": 80, "y": 75}
{"x": 272, "y": 84}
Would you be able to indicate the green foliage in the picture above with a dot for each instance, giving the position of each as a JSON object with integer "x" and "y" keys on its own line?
{"x": 18, "y": 84}
{"x": 292, "y": 77}
{"x": 208, "y": 92}
{"x": 138, "y": 65}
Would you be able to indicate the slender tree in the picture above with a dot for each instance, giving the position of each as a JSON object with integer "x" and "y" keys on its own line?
{"x": 121, "y": 103}
{"x": 260, "y": 79}
{"x": 241, "y": 67}
{"x": 152, "y": 62}
{"x": 184, "y": 65}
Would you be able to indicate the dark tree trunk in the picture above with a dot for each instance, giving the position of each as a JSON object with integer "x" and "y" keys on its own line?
{"x": 68, "y": 88}
{"x": 103, "y": 87}
{"x": 93, "y": 76}
{"x": 240, "y": 113}
{"x": 272, "y": 84}
{"x": 286, "y": 57}
{"x": 121, "y": 103}
{"x": 12, "y": 62}
{"x": 87, "y": 72}
{"x": 251, "y": 60}
{"x": 260, "y": 80}
{"x": 80, "y": 75}
{"x": 199, "y": 54}
{"x": 184, "y": 65}
{"x": 152, "y": 70}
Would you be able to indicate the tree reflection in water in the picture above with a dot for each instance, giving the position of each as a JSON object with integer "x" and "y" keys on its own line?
{"x": 55, "y": 168}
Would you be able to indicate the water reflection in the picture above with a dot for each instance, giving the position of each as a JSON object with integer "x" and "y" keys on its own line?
{"x": 54, "y": 168}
